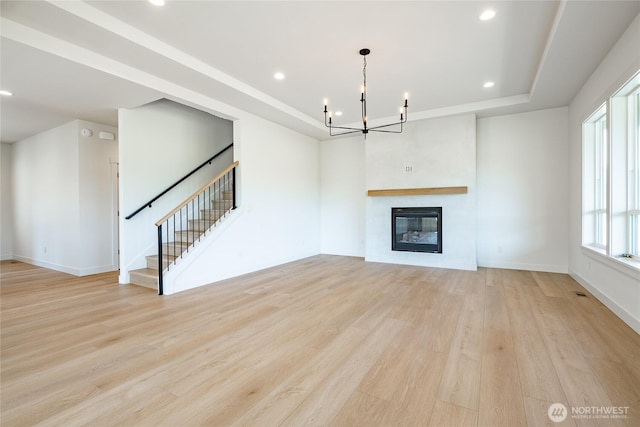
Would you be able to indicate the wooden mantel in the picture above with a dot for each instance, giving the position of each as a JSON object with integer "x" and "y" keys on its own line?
{"x": 428, "y": 191}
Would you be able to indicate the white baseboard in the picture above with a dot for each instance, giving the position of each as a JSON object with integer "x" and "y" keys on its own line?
{"x": 97, "y": 270}
{"x": 448, "y": 265}
{"x": 66, "y": 269}
{"x": 51, "y": 266}
{"x": 611, "y": 305}
{"x": 547, "y": 268}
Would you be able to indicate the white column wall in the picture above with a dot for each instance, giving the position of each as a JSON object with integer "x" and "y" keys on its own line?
{"x": 98, "y": 199}
{"x": 523, "y": 191}
{"x": 6, "y": 201}
{"x": 438, "y": 153}
{"x": 343, "y": 196}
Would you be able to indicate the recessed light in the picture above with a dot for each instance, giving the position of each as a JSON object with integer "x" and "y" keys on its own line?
{"x": 487, "y": 15}
{"x": 157, "y": 2}
{"x": 338, "y": 113}
{"x": 278, "y": 76}
{"x": 488, "y": 85}
{"x": 5, "y": 93}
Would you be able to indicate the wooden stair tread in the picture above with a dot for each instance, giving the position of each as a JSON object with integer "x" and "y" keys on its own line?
{"x": 146, "y": 271}
{"x": 164, "y": 256}
{"x": 145, "y": 277}
{"x": 176, "y": 243}
{"x": 153, "y": 261}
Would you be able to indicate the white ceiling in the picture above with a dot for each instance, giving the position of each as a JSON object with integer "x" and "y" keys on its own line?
{"x": 71, "y": 59}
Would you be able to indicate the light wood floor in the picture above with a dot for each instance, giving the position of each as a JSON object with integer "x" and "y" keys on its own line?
{"x": 323, "y": 341}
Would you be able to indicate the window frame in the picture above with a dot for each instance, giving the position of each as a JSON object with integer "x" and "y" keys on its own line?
{"x": 611, "y": 178}
{"x": 595, "y": 171}
{"x": 633, "y": 161}
{"x": 601, "y": 181}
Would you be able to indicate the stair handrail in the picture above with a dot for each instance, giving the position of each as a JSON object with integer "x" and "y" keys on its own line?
{"x": 150, "y": 202}
{"x": 195, "y": 194}
{"x": 225, "y": 181}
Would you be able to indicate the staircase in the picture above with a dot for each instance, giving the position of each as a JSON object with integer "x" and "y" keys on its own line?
{"x": 183, "y": 241}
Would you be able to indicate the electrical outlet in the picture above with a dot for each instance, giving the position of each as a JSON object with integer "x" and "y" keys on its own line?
{"x": 408, "y": 169}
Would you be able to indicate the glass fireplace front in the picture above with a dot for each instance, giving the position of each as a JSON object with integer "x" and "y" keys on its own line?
{"x": 416, "y": 229}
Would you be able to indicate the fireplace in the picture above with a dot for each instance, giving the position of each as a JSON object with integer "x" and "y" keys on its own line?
{"x": 416, "y": 229}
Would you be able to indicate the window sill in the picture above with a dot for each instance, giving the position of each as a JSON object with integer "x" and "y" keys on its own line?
{"x": 628, "y": 266}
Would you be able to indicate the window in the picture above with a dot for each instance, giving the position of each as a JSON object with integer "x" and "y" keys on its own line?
{"x": 634, "y": 174}
{"x": 611, "y": 176}
{"x": 595, "y": 179}
{"x": 600, "y": 181}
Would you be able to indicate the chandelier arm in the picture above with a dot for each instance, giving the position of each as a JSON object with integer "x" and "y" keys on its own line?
{"x": 345, "y": 128}
{"x": 385, "y": 131}
{"x": 385, "y": 126}
{"x": 344, "y": 133}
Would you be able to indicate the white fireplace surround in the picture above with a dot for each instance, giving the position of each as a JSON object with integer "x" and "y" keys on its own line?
{"x": 458, "y": 231}
{"x": 431, "y": 153}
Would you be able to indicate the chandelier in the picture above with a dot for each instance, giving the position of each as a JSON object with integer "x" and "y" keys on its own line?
{"x": 343, "y": 130}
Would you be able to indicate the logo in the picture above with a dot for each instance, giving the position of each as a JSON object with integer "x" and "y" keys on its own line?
{"x": 557, "y": 412}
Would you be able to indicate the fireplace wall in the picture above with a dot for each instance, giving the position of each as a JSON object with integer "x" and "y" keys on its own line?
{"x": 430, "y": 153}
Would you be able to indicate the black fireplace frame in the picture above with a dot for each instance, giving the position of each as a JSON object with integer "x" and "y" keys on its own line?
{"x": 416, "y": 213}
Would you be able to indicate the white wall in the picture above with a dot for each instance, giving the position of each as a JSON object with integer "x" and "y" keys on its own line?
{"x": 523, "y": 191}
{"x": 522, "y": 188}
{"x": 441, "y": 153}
{"x": 159, "y": 143}
{"x": 615, "y": 284}
{"x": 6, "y": 203}
{"x": 278, "y": 218}
{"x": 343, "y": 196}
{"x": 98, "y": 195}
{"x": 50, "y": 197}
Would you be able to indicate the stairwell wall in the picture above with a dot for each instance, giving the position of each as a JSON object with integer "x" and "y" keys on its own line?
{"x": 278, "y": 218}
{"x": 160, "y": 142}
